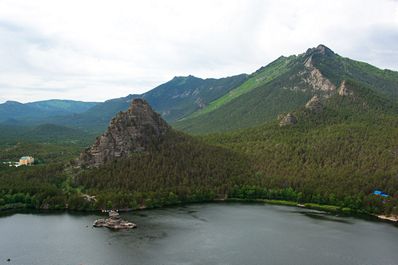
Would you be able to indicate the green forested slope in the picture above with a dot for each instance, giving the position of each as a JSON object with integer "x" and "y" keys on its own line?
{"x": 336, "y": 156}
{"x": 181, "y": 168}
{"x": 289, "y": 84}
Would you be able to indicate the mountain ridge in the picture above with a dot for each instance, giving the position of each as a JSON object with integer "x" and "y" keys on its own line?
{"x": 318, "y": 71}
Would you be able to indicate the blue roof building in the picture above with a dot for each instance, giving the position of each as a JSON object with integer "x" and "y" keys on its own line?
{"x": 380, "y": 193}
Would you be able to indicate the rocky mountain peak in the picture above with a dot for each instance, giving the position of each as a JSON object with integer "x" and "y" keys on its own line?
{"x": 319, "y": 50}
{"x": 132, "y": 131}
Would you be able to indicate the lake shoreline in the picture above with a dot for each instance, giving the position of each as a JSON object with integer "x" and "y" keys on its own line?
{"x": 330, "y": 209}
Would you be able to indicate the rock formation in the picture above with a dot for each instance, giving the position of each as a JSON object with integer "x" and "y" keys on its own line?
{"x": 131, "y": 131}
{"x": 114, "y": 222}
{"x": 314, "y": 104}
{"x": 313, "y": 76}
{"x": 289, "y": 119}
{"x": 344, "y": 90}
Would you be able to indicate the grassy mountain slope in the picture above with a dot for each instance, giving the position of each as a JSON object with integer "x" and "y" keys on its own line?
{"x": 319, "y": 71}
{"x": 262, "y": 76}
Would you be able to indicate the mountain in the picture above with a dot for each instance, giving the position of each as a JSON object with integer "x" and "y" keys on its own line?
{"x": 132, "y": 131}
{"x": 12, "y": 112}
{"x": 62, "y": 106}
{"x": 147, "y": 162}
{"x": 174, "y": 99}
{"x": 315, "y": 134}
{"x": 348, "y": 138}
{"x": 183, "y": 95}
{"x": 333, "y": 150}
{"x": 285, "y": 85}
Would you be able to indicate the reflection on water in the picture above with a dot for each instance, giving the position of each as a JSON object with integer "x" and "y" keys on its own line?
{"x": 199, "y": 234}
{"x": 326, "y": 217}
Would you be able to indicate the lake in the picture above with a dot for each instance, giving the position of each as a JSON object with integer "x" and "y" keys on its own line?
{"x": 214, "y": 233}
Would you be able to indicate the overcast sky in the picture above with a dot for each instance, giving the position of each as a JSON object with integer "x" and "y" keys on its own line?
{"x": 97, "y": 50}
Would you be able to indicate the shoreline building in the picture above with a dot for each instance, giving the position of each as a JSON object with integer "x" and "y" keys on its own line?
{"x": 26, "y": 161}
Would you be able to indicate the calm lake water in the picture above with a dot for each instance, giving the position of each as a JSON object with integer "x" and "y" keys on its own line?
{"x": 218, "y": 233}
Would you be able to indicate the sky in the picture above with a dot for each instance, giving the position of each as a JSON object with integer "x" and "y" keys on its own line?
{"x": 98, "y": 50}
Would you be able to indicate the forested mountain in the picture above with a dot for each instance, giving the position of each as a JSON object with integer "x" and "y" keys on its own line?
{"x": 142, "y": 158}
{"x": 174, "y": 99}
{"x": 322, "y": 129}
{"x": 339, "y": 149}
{"x": 285, "y": 85}
{"x": 13, "y": 112}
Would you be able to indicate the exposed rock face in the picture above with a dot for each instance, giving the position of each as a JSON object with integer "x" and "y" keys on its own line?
{"x": 314, "y": 104}
{"x": 320, "y": 49}
{"x": 114, "y": 222}
{"x": 131, "y": 131}
{"x": 314, "y": 77}
{"x": 289, "y": 119}
{"x": 344, "y": 90}
{"x": 309, "y": 77}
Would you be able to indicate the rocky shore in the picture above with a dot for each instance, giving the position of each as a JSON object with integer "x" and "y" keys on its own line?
{"x": 114, "y": 222}
{"x": 391, "y": 218}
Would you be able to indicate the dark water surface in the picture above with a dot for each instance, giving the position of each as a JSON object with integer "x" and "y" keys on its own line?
{"x": 227, "y": 233}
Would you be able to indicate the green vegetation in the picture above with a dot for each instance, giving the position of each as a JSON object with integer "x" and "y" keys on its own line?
{"x": 174, "y": 99}
{"x": 284, "y": 89}
{"x": 12, "y": 112}
{"x": 32, "y": 187}
{"x": 261, "y": 77}
{"x": 46, "y": 143}
{"x": 182, "y": 96}
{"x": 180, "y": 169}
{"x": 331, "y": 160}
{"x": 335, "y": 157}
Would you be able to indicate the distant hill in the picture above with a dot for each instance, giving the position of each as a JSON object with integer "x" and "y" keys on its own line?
{"x": 285, "y": 85}
{"x": 12, "y": 112}
{"x": 63, "y": 106}
{"x": 174, "y": 99}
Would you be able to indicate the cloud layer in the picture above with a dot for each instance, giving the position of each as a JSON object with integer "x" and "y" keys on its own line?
{"x": 96, "y": 50}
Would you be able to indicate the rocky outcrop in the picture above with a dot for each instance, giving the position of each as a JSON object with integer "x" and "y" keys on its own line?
{"x": 287, "y": 120}
{"x": 320, "y": 50}
{"x": 314, "y": 104}
{"x": 114, "y": 222}
{"x": 344, "y": 90}
{"x": 314, "y": 77}
{"x": 129, "y": 132}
